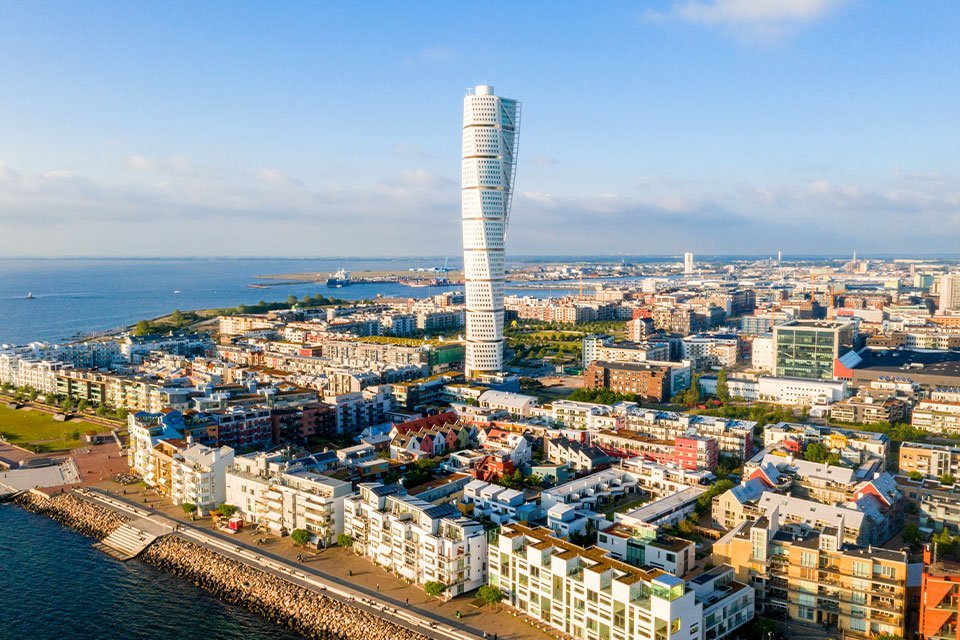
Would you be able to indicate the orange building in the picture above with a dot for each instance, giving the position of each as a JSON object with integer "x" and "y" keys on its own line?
{"x": 939, "y": 596}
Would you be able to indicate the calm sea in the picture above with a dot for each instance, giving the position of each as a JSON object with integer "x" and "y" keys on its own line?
{"x": 74, "y": 296}
{"x": 54, "y": 584}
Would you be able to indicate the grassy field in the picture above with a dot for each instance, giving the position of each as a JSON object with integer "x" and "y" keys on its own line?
{"x": 26, "y": 428}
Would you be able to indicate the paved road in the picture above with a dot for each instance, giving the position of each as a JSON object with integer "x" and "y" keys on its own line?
{"x": 400, "y": 613}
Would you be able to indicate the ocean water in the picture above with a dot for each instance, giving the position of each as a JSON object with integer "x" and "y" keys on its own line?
{"x": 79, "y": 296}
{"x": 84, "y": 295}
{"x": 54, "y": 584}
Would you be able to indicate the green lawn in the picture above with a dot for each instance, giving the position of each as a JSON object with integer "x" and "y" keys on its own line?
{"x": 26, "y": 428}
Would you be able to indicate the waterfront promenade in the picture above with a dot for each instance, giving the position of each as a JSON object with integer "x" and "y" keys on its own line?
{"x": 368, "y": 588}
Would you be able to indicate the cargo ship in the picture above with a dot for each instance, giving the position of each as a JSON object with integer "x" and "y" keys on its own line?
{"x": 339, "y": 279}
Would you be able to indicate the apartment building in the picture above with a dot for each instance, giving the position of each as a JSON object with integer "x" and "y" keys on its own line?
{"x": 858, "y": 523}
{"x": 734, "y": 437}
{"x": 577, "y": 455}
{"x": 937, "y": 505}
{"x": 707, "y": 350}
{"x": 687, "y": 451}
{"x": 281, "y": 495}
{"x": 939, "y": 595}
{"x": 865, "y": 409}
{"x": 796, "y": 436}
{"x": 937, "y": 415}
{"x": 592, "y": 491}
{"x": 484, "y": 500}
{"x": 645, "y": 546}
{"x": 813, "y": 575}
{"x": 647, "y": 381}
{"x": 585, "y": 593}
{"x": 929, "y": 460}
{"x": 176, "y": 467}
{"x": 416, "y": 540}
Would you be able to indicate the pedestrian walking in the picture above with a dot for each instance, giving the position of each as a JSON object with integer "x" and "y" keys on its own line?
{"x": 378, "y": 586}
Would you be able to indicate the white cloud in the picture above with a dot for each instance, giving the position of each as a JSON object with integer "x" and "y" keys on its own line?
{"x": 267, "y": 212}
{"x": 756, "y": 20}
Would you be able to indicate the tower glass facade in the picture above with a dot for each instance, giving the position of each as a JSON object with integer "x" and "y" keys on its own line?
{"x": 491, "y": 126}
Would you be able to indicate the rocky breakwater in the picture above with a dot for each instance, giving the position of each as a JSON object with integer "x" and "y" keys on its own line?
{"x": 306, "y": 612}
{"x": 70, "y": 510}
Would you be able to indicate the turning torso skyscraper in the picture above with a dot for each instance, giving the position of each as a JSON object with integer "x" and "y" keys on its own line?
{"x": 491, "y": 129}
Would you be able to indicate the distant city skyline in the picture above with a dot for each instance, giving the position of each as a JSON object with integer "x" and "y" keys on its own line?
{"x": 712, "y": 126}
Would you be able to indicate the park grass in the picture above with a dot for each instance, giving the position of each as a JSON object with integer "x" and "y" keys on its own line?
{"x": 38, "y": 431}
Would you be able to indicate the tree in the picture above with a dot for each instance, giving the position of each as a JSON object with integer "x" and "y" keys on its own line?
{"x": 291, "y": 300}
{"x": 434, "y": 588}
{"x": 33, "y": 394}
{"x": 300, "y": 536}
{"x": 189, "y": 508}
{"x": 915, "y": 475}
{"x": 102, "y": 411}
{"x": 489, "y": 594}
{"x": 344, "y": 540}
{"x": 947, "y": 479}
{"x": 226, "y": 510}
{"x": 142, "y": 329}
{"x": 122, "y": 414}
{"x": 82, "y": 405}
{"x": 67, "y": 405}
{"x": 816, "y": 452}
{"x": 723, "y": 389}
{"x": 176, "y": 318}
{"x": 911, "y": 533}
{"x": 762, "y": 627}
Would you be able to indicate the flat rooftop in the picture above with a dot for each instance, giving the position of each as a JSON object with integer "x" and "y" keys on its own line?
{"x": 905, "y": 362}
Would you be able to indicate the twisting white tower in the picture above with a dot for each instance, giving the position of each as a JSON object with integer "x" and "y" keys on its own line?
{"x": 491, "y": 127}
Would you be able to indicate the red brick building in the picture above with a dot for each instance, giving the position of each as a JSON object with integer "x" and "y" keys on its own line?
{"x": 650, "y": 382}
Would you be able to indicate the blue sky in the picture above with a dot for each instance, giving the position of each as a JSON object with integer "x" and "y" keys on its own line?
{"x": 304, "y": 129}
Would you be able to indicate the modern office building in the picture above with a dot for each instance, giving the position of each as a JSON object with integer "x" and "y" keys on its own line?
{"x": 813, "y": 349}
{"x": 490, "y": 137}
{"x": 688, "y": 264}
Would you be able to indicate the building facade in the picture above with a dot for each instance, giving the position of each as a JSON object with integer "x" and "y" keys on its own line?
{"x": 490, "y": 140}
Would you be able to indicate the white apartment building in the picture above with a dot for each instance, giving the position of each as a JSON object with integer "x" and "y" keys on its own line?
{"x": 491, "y": 127}
{"x": 710, "y": 350}
{"x": 581, "y": 415}
{"x": 498, "y": 504}
{"x": 417, "y": 540}
{"x": 763, "y": 356}
{"x": 182, "y": 471}
{"x": 937, "y": 415}
{"x": 280, "y": 496}
{"x": 589, "y": 492}
{"x": 587, "y": 594}
{"x": 516, "y": 404}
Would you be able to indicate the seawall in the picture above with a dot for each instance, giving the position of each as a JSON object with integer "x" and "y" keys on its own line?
{"x": 302, "y": 610}
{"x": 74, "y": 512}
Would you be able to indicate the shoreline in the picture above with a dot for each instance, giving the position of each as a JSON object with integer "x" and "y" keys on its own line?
{"x": 304, "y": 611}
